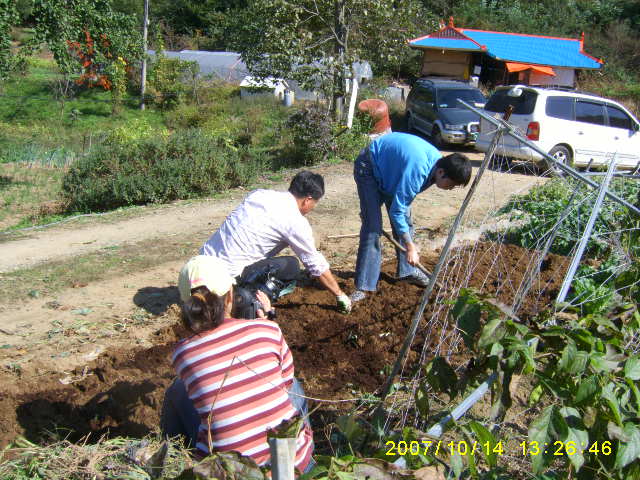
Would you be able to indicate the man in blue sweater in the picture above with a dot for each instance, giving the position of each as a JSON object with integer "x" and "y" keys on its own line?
{"x": 393, "y": 170}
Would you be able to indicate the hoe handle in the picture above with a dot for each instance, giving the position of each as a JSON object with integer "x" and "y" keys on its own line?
{"x": 397, "y": 245}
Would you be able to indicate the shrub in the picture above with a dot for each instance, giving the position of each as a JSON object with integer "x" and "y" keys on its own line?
{"x": 350, "y": 142}
{"x": 312, "y": 134}
{"x": 155, "y": 170}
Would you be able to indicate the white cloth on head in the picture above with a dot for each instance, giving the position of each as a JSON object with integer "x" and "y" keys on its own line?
{"x": 266, "y": 222}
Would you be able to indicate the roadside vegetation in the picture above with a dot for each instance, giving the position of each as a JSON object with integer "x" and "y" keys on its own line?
{"x": 62, "y": 156}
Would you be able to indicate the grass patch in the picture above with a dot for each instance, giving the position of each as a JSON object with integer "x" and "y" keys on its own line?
{"x": 212, "y": 142}
{"x": 50, "y": 278}
{"x": 26, "y": 195}
{"x": 33, "y": 120}
{"x": 108, "y": 458}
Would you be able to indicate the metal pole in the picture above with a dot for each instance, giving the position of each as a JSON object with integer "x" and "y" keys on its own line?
{"x": 437, "y": 430}
{"x": 568, "y": 170}
{"x": 283, "y": 456}
{"x": 143, "y": 79}
{"x": 526, "y": 286}
{"x": 432, "y": 282}
{"x": 587, "y": 232}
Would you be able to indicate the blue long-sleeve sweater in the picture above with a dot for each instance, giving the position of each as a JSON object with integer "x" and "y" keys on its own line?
{"x": 402, "y": 165}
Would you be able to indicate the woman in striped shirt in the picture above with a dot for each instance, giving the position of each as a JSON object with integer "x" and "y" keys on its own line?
{"x": 235, "y": 377}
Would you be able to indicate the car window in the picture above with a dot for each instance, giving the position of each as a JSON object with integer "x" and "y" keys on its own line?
{"x": 590, "y": 112}
{"x": 522, "y": 105}
{"x": 618, "y": 118}
{"x": 422, "y": 95}
{"x": 560, "y": 107}
{"x": 449, "y": 98}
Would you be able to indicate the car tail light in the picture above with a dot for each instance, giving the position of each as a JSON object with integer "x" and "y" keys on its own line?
{"x": 533, "y": 131}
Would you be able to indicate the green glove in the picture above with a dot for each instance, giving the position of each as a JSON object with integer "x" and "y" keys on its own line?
{"x": 344, "y": 303}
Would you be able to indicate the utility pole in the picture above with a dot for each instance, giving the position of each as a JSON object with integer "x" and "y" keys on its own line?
{"x": 340, "y": 48}
{"x": 143, "y": 80}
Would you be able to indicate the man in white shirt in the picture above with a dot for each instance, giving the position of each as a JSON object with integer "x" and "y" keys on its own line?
{"x": 265, "y": 223}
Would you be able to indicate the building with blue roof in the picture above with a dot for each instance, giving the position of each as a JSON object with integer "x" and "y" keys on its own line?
{"x": 503, "y": 58}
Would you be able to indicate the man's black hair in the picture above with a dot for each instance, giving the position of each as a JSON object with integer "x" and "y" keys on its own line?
{"x": 457, "y": 167}
{"x": 307, "y": 184}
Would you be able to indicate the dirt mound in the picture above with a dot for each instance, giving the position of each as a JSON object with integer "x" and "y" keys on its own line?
{"x": 121, "y": 392}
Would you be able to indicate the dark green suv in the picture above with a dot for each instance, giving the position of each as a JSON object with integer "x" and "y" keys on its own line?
{"x": 433, "y": 109}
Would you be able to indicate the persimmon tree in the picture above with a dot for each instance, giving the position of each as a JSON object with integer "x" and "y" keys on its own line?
{"x": 88, "y": 38}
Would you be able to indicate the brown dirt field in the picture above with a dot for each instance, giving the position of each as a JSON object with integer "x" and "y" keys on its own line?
{"x": 120, "y": 392}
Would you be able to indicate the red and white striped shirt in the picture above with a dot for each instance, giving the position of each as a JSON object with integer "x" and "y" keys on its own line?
{"x": 239, "y": 374}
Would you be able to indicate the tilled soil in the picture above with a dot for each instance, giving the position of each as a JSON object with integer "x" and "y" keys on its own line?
{"x": 121, "y": 392}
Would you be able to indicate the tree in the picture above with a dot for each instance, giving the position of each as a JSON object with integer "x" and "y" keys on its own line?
{"x": 87, "y": 36}
{"x": 316, "y": 41}
{"x": 8, "y": 19}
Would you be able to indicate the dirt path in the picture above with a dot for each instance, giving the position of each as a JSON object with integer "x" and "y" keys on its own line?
{"x": 61, "y": 331}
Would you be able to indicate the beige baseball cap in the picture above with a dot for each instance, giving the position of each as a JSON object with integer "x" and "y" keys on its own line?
{"x": 204, "y": 270}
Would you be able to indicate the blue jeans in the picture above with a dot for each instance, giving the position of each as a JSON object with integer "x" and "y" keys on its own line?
{"x": 179, "y": 416}
{"x": 369, "y": 252}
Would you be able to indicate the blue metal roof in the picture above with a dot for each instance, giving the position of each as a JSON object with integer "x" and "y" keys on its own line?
{"x": 512, "y": 47}
{"x": 448, "y": 43}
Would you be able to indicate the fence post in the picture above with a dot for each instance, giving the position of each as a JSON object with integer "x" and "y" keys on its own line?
{"x": 143, "y": 73}
{"x": 283, "y": 457}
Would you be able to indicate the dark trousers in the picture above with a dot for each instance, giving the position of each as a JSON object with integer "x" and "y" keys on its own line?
{"x": 179, "y": 416}
{"x": 369, "y": 257}
{"x": 285, "y": 269}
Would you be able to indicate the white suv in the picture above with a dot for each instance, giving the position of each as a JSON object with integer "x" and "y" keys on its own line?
{"x": 574, "y": 128}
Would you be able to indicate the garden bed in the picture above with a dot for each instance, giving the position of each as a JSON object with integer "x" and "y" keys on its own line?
{"x": 121, "y": 392}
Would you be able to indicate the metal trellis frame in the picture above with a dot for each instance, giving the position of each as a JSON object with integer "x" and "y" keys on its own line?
{"x": 432, "y": 282}
{"x": 587, "y": 232}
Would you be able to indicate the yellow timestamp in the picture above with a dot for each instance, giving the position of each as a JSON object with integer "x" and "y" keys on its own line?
{"x": 560, "y": 448}
{"x": 431, "y": 447}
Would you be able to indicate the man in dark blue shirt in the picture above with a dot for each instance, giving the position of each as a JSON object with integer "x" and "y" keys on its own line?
{"x": 393, "y": 170}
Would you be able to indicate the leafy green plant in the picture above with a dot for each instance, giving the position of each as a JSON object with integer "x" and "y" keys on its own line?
{"x": 541, "y": 208}
{"x": 584, "y": 380}
{"x": 119, "y": 83}
{"x": 593, "y": 298}
{"x": 168, "y": 78}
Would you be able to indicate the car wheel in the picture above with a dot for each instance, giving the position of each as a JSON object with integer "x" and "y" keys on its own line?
{"x": 436, "y": 137}
{"x": 562, "y": 155}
